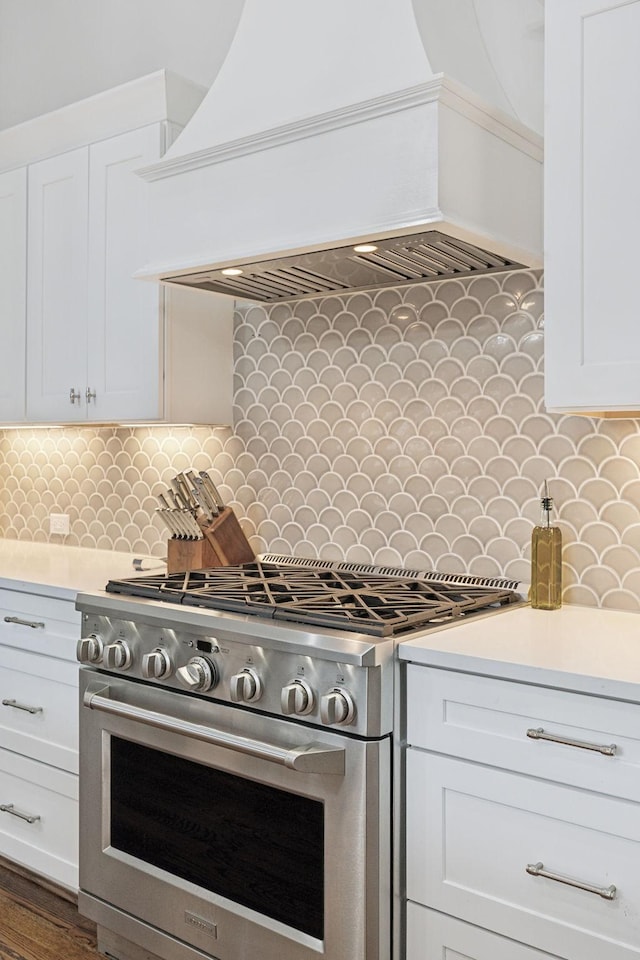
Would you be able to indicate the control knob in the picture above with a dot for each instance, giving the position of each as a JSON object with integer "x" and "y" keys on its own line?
{"x": 117, "y": 655}
{"x": 297, "y": 697}
{"x": 337, "y": 707}
{"x": 246, "y": 686}
{"x": 198, "y": 674}
{"x": 89, "y": 649}
{"x": 156, "y": 664}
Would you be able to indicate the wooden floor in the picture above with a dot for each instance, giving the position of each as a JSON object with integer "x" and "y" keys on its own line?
{"x": 37, "y": 924}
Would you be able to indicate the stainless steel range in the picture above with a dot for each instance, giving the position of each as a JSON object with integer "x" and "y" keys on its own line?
{"x": 235, "y": 750}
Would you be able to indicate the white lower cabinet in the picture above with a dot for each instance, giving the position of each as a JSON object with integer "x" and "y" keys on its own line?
{"x": 39, "y": 818}
{"x": 531, "y": 840}
{"x": 39, "y": 735}
{"x": 434, "y": 936}
{"x": 34, "y": 710}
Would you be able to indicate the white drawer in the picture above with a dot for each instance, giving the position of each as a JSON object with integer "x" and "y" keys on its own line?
{"x": 39, "y": 624}
{"x": 39, "y": 707}
{"x": 487, "y": 720}
{"x": 49, "y": 845}
{"x": 472, "y": 831}
{"x": 432, "y": 935}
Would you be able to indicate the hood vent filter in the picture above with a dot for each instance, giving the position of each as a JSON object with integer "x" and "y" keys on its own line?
{"x": 414, "y": 259}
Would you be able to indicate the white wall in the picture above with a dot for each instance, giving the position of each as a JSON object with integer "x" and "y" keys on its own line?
{"x": 496, "y": 47}
{"x": 54, "y": 52}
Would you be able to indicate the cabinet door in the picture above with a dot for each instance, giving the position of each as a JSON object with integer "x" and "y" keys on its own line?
{"x": 432, "y": 935}
{"x": 57, "y": 287}
{"x": 541, "y": 863}
{"x": 592, "y": 205}
{"x": 586, "y": 741}
{"x": 124, "y": 324}
{"x": 46, "y": 842}
{"x": 39, "y": 708}
{"x": 13, "y": 279}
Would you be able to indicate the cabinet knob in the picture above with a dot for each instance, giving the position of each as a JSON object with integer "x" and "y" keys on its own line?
{"x": 90, "y": 394}
{"x": 73, "y": 396}
{"x": 29, "y": 817}
{"x": 21, "y": 706}
{"x": 25, "y": 623}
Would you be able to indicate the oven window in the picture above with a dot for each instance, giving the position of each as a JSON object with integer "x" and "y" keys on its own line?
{"x": 258, "y": 846}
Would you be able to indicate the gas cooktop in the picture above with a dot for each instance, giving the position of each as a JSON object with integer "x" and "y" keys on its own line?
{"x": 373, "y": 600}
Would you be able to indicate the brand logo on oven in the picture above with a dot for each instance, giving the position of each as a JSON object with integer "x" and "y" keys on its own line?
{"x": 204, "y": 925}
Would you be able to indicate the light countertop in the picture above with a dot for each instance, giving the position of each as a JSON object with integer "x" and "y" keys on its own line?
{"x": 575, "y": 648}
{"x": 62, "y": 572}
{"x": 585, "y": 649}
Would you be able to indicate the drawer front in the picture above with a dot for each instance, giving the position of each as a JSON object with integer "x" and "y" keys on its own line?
{"x": 472, "y": 831}
{"x": 432, "y": 935}
{"x": 49, "y": 844}
{"x": 39, "y": 624}
{"x": 39, "y": 708}
{"x": 507, "y": 724}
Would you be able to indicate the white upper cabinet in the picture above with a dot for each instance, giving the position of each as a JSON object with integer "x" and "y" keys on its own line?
{"x": 57, "y": 287}
{"x": 592, "y": 205}
{"x": 102, "y": 346}
{"x": 123, "y": 316}
{"x": 13, "y": 278}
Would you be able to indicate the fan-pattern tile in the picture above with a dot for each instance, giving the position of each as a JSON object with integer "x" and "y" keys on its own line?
{"x": 405, "y": 427}
{"x": 106, "y": 479}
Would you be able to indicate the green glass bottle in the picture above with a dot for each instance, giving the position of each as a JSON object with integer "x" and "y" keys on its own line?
{"x": 546, "y": 560}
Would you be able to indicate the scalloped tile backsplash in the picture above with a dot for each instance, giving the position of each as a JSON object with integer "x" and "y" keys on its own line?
{"x": 403, "y": 427}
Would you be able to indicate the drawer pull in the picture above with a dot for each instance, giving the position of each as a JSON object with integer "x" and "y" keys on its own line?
{"x": 607, "y": 750}
{"x": 537, "y": 870}
{"x": 25, "y": 623}
{"x": 21, "y": 706}
{"x": 9, "y": 808}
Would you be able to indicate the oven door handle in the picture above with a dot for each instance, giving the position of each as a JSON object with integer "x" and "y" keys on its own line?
{"x": 308, "y": 758}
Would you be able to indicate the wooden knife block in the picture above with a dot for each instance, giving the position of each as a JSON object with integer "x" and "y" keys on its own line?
{"x": 224, "y": 545}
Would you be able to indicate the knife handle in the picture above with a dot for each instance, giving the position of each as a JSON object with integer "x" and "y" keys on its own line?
{"x": 169, "y": 524}
{"x": 212, "y": 490}
{"x": 207, "y": 499}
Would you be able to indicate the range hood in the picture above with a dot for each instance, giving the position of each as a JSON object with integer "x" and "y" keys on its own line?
{"x": 326, "y": 129}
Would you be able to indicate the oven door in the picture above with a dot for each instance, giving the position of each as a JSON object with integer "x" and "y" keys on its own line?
{"x": 211, "y": 830}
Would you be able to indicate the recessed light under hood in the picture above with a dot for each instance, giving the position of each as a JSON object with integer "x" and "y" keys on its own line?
{"x": 326, "y": 128}
{"x": 423, "y": 256}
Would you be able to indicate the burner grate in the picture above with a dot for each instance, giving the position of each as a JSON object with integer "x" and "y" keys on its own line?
{"x": 324, "y": 595}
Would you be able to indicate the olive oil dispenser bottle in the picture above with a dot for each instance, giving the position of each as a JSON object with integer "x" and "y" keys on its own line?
{"x": 546, "y": 560}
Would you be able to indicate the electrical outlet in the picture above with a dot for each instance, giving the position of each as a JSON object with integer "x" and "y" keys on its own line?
{"x": 59, "y": 523}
